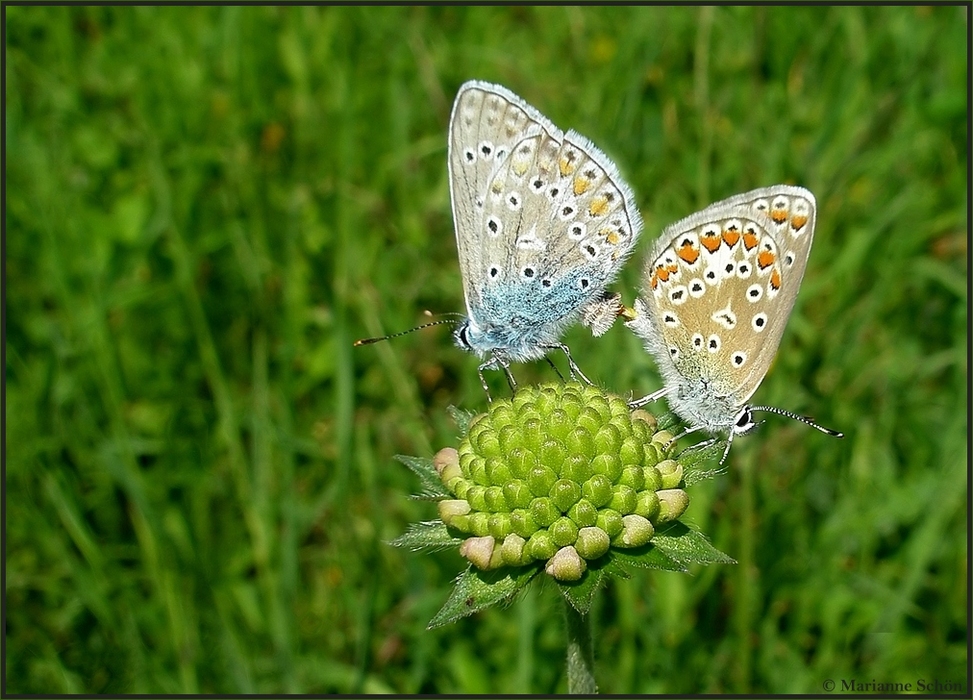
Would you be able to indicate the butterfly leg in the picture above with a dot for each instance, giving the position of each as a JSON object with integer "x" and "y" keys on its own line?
{"x": 654, "y": 396}
{"x": 554, "y": 366}
{"x": 572, "y": 366}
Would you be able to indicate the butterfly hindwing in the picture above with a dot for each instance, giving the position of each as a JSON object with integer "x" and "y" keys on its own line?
{"x": 720, "y": 285}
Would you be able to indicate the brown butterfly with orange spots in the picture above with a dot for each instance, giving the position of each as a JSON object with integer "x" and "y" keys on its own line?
{"x": 718, "y": 288}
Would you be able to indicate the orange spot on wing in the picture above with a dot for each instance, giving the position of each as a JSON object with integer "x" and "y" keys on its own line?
{"x": 731, "y": 236}
{"x": 798, "y": 221}
{"x": 779, "y": 216}
{"x": 775, "y": 279}
{"x": 612, "y": 238}
{"x": 710, "y": 241}
{"x": 567, "y": 164}
{"x": 653, "y": 281}
{"x": 662, "y": 272}
{"x": 750, "y": 240}
{"x": 765, "y": 259}
{"x": 581, "y": 185}
{"x": 689, "y": 253}
{"x": 599, "y": 207}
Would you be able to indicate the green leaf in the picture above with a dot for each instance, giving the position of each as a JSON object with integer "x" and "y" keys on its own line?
{"x": 427, "y": 474}
{"x": 688, "y": 546}
{"x": 646, "y": 557}
{"x": 694, "y": 459}
{"x": 461, "y": 418}
{"x": 429, "y": 536}
{"x": 476, "y": 590}
{"x": 667, "y": 421}
{"x": 581, "y": 593}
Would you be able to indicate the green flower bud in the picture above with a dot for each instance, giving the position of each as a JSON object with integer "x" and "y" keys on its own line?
{"x": 592, "y": 542}
{"x": 597, "y": 490}
{"x": 522, "y": 399}
{"x": 461, "y": 523}
{"x": 487, "y": 445}
{"x": 564, "y": 532}
{"x": 517, "y": 494}
{"x": 523, "y": 523}
{"x": 636, "y": 531}
{"x": 521, "y": 461}
{"x": 652, "y": 479}
{"x": 633, "y": 477}
{"x": 498, "y": 472}
{"x": 653, "y": 455}
{"x": 647, "y": 504}
{"x": 572, "y": 406}
{"x": 544, "y": 511}
{"x": 460, "y": 487}
{"x": 672, "y": 504}
{"x": 559, "y": 424}
{"x": 600, "y": 405}
{"x": 552, "y": 454}
{"x": 540, "y": 480}
{"x": 608, "y": 440}
{"x": 590, "y": 420}
{"x": 610, "y": 521}
{"x": 580, "y": 443}
{"x": 540, "y": 545}
{"x": 583, "y": 513}
{"x": 565, "y": 493}
{"x": 511, "y": 437}
{"x": 480, "y": 552}
{"x": 619, "y": 408}
{"x": 450, "y": 509}
{"x": 631, "y": 451}
{"x": 566, "y": 565}
{"x": 466, "y": 457}
{"x": 493, "y": 496}
{"x": 607, "y": 464}
{"x": 534, "y": 432}
{"x": 512, "y": 550}
{"x": 499, "y": 525}
{"x": 671, "y": 472}
{"x": 576, "y": 468}
{"x": 478, "y": 472}
{"x": 479, "y": 523}
{"x": 501, "y": 415}
{"x": 477, "y": 497}
{"x": 623, "y": 499}
{"x": 643, "y": 416}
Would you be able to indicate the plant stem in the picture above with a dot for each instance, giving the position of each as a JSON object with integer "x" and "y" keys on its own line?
{"x": 581, "y": 659}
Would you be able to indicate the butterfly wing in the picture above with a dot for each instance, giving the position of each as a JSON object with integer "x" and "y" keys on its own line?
{"x": 486, "y": 121}
{"x": 720, "y": 285}
{"x": 542, "y": 230}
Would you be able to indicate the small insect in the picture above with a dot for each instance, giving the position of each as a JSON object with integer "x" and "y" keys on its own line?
{"x": 543, "y": 224}
{"x": 717, "y": 291}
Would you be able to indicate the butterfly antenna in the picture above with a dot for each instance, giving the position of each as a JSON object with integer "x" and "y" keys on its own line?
{"x": 803, "y": 419}
{"x": 369, "y": 341}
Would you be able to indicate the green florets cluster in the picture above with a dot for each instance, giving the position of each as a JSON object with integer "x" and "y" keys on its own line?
{"x": 559, "y": 473}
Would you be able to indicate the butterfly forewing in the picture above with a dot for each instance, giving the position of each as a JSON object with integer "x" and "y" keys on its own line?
{"x": 547, "y": 225}
{"x": 721, "y": 283}
{"x": 487, "y": 120}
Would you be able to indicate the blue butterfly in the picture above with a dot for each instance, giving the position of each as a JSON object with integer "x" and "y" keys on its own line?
{"x": 543, "y": 222}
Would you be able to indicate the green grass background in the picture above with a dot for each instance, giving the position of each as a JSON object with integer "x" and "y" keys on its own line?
{"x": 206, "y": 206}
